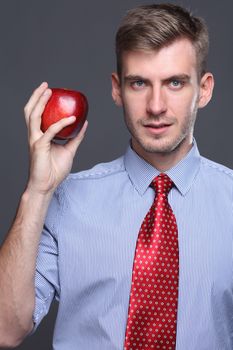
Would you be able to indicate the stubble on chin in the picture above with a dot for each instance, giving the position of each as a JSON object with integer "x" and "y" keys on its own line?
{"x": 156, "y": 145}
{"x": 160, "y": 144}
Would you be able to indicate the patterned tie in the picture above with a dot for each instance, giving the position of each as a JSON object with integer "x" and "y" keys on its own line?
{"x": 154, "y": 292}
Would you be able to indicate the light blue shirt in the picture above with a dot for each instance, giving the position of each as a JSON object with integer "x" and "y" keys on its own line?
{"x": 87, "y": 250}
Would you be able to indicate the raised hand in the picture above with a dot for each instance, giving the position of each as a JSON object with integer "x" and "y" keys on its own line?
{"x": 50, "y": 163}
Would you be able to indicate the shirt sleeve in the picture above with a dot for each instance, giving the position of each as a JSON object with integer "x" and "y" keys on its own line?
{"x": 47, "y": 285}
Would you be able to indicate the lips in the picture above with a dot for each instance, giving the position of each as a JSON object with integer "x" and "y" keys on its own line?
{"x": 157, "y": 128}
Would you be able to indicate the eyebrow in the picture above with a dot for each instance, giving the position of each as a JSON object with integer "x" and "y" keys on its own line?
{"x": 183, "y": 77}
{"x": 134, "y": 77}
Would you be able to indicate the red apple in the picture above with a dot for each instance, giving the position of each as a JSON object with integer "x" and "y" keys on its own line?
{"x": 65, "y": 103}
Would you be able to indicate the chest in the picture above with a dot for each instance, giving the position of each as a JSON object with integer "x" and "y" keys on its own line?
{"x": 100, "y": 244}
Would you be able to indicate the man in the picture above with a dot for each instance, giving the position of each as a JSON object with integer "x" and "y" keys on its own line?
{"x": 93, "y": 250}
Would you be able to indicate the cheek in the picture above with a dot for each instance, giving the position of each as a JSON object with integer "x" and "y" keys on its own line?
{"x": 133, "y": 105}
{"x": 184, "y": 104}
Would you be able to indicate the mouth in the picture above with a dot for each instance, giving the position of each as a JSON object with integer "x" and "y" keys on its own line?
{"x": 157, "y": 128}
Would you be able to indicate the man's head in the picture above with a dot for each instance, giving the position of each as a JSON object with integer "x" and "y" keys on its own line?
{"x": 161, "y": 79}
{"x": 152, "y": 27}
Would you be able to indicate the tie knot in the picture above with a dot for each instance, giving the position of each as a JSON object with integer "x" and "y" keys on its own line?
{"x": 162, "y": 184}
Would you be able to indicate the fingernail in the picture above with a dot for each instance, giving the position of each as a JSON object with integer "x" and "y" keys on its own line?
{"x": 47, "y": 92}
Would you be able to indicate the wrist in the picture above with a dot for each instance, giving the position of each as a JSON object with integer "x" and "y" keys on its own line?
{"x": 36, "y": 194}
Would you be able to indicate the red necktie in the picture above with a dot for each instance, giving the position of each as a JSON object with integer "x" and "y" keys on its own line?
{"x": 154, "y": 292}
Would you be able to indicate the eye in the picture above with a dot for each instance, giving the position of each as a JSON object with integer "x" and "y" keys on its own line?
{"x": 137, "y": 84}
{"x": 176, "y": 83}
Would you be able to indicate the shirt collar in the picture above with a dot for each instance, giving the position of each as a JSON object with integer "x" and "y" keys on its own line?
{"x": 182, "y": 174}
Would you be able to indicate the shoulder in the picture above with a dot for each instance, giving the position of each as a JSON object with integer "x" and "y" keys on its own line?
{"x": 96, "y": 180}
{"x": 84, "y": 186}
{"x": 99, "y": 171}
{"x": 217, "y": 177}
{"x": 215, "y": 168}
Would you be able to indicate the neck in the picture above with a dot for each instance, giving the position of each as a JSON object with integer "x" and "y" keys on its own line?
{"x": 165, "y": 161}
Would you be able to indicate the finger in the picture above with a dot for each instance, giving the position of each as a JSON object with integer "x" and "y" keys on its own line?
{"x": 56, "y": 127}
{"x": 35, "y": 116}
{"x": 33, "y": 100}
{"x": 73, "y": 144}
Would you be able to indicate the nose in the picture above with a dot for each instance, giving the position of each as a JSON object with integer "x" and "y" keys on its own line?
{"x": 156, "y": 104}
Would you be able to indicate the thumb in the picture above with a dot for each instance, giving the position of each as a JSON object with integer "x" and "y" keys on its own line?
{"x": 73, "y": 144}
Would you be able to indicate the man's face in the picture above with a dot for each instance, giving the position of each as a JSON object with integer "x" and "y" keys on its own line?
{"x": 160, "y": 95}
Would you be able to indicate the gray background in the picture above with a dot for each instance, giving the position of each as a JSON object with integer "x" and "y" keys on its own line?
{"x": 71, "y": 44}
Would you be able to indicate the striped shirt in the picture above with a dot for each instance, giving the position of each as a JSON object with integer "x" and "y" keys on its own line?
{"x": 88, "y": 242}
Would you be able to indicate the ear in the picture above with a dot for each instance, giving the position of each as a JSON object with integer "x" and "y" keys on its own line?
{"x": 116, "y": 89}
{"x": 206, "y": 89}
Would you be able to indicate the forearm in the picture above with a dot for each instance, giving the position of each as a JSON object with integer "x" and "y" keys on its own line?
{"x": 17, "y": 267}
{"x": 50, "y": 163}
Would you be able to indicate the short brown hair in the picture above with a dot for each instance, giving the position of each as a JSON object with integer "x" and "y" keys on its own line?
{"x": 151, "y": 27}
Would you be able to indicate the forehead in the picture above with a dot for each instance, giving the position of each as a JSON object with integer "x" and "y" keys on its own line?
{"x": 176, "y": 58}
